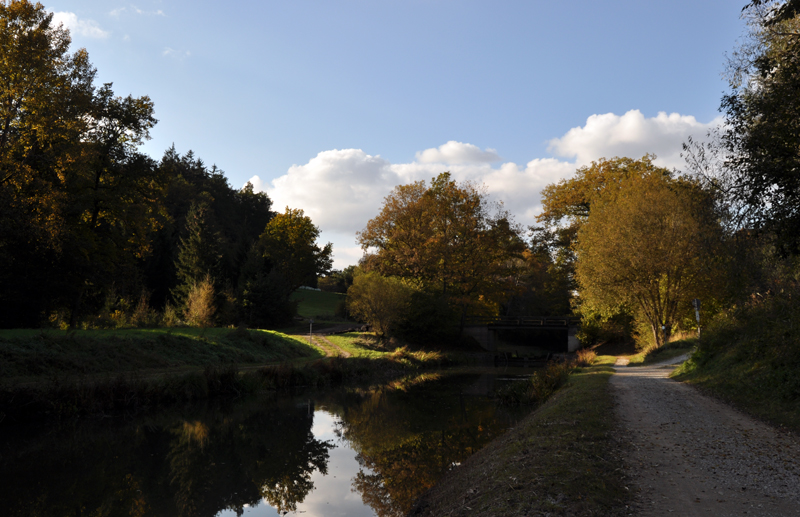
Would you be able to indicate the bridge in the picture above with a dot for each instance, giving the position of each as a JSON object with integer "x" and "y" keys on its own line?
{"x": 484, "y": 330}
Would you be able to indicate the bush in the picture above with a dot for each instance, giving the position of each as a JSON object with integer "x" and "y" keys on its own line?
{"x": 200, "y": 307}
{"x": 538, "y": 388}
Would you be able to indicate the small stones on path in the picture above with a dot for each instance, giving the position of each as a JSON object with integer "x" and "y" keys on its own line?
{"x": 692, "y": 455}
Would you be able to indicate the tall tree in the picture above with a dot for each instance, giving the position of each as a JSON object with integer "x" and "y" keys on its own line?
{"x": 199, "y": 252}
{"x": 285, "y": 257}
{"x": 651, "y": 244}
{"x": 754, "y": 159}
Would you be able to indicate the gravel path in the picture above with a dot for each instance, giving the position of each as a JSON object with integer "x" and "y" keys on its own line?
{"x": 692, "y": 455}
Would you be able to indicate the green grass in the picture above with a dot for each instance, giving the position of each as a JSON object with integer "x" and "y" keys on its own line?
{"x": 560, "y": 460}
{"x": 316, "y": 304}
{"x": 751, "y": 358}
{"x": 358, "y": 344}
{"x": 31, "y": 354}
{"x": 664, "y": 353}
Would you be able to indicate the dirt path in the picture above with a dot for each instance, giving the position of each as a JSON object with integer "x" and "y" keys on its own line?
{"x": 323, "y": 343}
{"x": 690, "y": 455}
{"x": 339, "y": 350}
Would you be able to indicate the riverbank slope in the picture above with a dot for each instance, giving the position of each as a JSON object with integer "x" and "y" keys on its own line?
{"x": 563, "y": 459}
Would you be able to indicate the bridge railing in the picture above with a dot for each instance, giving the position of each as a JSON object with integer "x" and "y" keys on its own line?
{"x": 529, "y": 321}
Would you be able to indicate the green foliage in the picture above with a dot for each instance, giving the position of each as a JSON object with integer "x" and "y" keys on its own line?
{"x": 651, "y": 244}
{"x": 198, "y": 253}
{"x": 338, "y": 281}
{"x": 758, "y": 146}
{"x": 289, "y": 246}
{"x": 285, "y": 257}
{"x": 751, "y": 355}
{"x": 380, "y": 301}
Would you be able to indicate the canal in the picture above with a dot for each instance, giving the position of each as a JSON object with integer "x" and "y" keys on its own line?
{"x": 357, "y": 451}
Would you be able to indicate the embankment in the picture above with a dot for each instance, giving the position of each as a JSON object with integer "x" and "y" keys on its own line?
{"x": 561, "y": 460}
{"x": 64, "y": 375}
{"x": 751, "y": 359}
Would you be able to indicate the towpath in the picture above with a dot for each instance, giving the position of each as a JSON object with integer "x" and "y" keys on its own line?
{"x": 691, "y": 455}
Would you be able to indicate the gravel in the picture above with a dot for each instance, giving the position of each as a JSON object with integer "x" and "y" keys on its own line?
{"x": 689, "y": 454}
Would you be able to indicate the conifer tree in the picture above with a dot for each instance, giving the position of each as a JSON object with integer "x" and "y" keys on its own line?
{"x": 199, "y": 251}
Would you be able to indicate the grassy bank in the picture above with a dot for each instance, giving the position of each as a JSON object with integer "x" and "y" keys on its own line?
{"x": 133, "y": 393}
{"x": 36, "y": 355}
{"x": 560, "y": 460}
{"x": 664, "y": 353}
{"x": 751, "y": 358}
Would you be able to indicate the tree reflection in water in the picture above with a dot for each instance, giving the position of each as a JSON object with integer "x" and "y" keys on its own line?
{"x": 188, "y": 467}
{"x": 406, "y": 439}
{"x": 197, "y": 462}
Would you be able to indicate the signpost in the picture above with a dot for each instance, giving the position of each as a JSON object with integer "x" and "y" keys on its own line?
{"x": 696, "y": 305}
{"x": 310, "y": 331}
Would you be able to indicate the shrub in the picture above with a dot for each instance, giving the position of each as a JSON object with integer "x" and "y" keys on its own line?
{"x": 538, "y": 388}
{"x": 200, "y": 307}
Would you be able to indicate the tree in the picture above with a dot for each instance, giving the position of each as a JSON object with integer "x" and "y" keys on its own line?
{"x": 380, "y": 301}
{"x": 289, "y": 245}
{"x": 651, "y": 244}
{"x": 566, "y": 204}
{"x": 285, "y": 257}
{"x": 79, "y": 202}
{"x": 754, "y": 159}
{"x": 449, "y": 238}
{"x": 199, "y": 253}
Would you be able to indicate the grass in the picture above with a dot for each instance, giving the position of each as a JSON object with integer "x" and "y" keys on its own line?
{"x": 320, "y": 305}
{"x": 31, "y": 355}
{"x": 561, "y": 460}
{"x": 751, "y": 358}
{"x": 359, "y": 344}
{"x": 133, "y": 393}
{"x": 664, "y": 353}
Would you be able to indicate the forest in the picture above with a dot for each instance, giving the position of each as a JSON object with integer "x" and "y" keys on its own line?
{"x": 94, "y": 233}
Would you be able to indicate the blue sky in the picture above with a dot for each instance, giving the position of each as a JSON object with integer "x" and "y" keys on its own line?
{"x": 328, "y": 104}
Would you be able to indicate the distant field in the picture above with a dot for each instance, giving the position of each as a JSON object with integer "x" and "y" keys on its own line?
{"x": 316, "y": 304}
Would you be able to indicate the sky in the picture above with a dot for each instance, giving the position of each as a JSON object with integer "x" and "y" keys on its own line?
{"x": 327, "y": 105}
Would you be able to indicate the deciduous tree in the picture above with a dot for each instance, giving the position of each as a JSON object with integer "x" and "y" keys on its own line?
{"x": 651, "y": 244}
{"x": 448, "y": 237}
{"x": 380, "y": 301}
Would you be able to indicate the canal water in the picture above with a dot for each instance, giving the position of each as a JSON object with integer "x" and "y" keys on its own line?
{"x": 368, "y": 451}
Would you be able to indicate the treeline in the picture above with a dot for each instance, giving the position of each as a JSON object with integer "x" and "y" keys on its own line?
{"x": 93, "y": 232}
{"x": 440, "y": 255}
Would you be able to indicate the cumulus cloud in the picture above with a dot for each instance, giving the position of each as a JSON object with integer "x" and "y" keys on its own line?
{"x": 457, "y": 152}
{"x": 342, "y": 189}
{"x": 87, "y": 28}
{"x": 631, "y": 135}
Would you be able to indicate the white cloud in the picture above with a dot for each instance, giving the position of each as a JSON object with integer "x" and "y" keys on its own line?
{"x": 133, "y": 9}
{"x": 342, "y": 189}
{"x": 633, "y": 135}
{"x": 456, "y": 152}
{"x": 87, "y": 28}
{"x": 176, "y": 54}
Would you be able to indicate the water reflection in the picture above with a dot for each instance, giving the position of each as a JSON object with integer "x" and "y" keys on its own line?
{"x": 344, "y": 452}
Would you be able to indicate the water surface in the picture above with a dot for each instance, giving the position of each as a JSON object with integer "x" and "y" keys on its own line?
{"x": 354, "y": 452}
